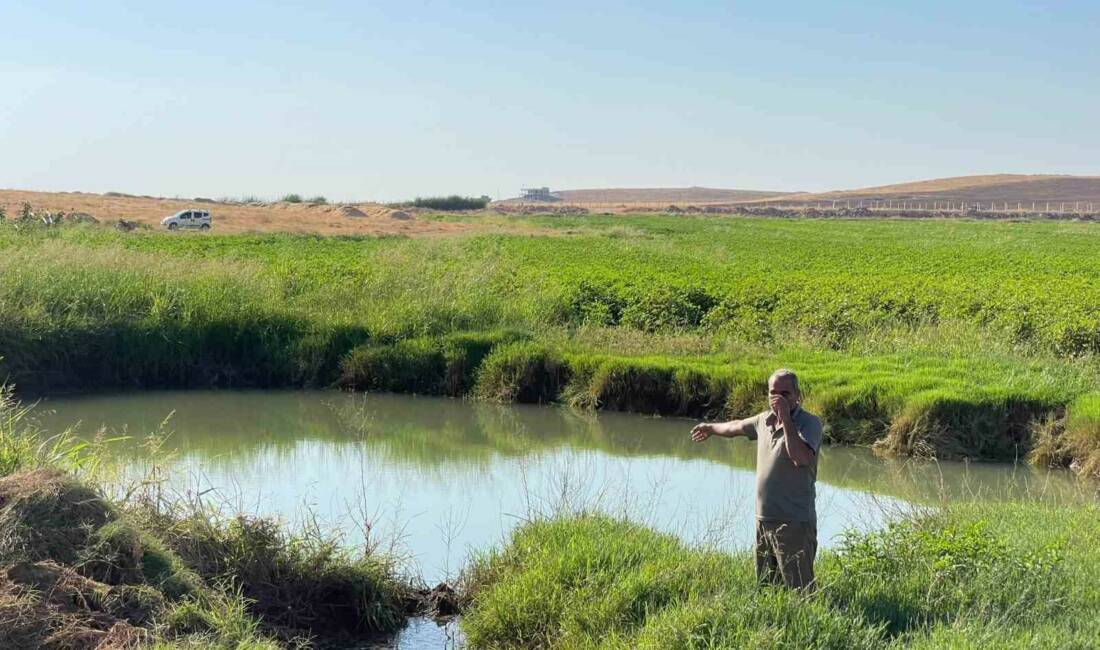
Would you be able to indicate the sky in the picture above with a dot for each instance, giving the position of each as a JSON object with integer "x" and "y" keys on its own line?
{"x": 393, "y": 100}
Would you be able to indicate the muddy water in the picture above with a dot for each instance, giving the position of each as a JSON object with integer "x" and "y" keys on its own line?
{"x": 438, "y": 478}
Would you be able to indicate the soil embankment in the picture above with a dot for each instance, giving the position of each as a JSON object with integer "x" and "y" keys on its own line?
{"x": 78, "y": 570}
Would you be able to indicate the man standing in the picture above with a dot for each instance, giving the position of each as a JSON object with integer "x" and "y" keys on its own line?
{"x": 787, "y": 439}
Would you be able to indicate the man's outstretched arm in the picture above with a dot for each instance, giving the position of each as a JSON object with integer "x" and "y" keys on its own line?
{"x": 731, "y": 429}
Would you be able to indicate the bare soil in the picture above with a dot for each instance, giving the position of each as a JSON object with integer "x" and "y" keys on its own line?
{"x": 1010, "y": 188}
{"x": 666, "y": 195}
{"x": 357, "y": 219}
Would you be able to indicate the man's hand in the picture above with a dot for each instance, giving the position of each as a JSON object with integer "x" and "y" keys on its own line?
{"x": 702, "y": 431}
{"x": 781, "y": 407}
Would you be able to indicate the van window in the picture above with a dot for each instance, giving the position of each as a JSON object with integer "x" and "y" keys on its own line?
{"x": 185, "y": 215}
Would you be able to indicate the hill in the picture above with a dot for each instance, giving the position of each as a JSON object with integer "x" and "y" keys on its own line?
{"x": 231, "y": 216}
{"x": 1026, "y": 188}
{"x": 666, "y": 195}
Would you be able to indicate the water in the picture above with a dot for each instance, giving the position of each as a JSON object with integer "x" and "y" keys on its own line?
{"x": 437, "y": 479}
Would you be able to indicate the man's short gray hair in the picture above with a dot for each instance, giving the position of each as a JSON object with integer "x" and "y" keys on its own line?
{"x": 784, "y": 372}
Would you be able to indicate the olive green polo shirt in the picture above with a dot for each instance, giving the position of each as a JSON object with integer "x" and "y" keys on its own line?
{"x": 785, "y": 492}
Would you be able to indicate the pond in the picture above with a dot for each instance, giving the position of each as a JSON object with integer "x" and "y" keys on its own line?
{"x": 437, "y": 479}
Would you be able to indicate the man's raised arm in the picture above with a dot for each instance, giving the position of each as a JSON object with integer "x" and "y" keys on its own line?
{"x": 731, "y": 429}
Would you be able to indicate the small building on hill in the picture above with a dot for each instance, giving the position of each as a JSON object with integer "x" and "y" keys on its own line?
{"x": 538, "y": 194}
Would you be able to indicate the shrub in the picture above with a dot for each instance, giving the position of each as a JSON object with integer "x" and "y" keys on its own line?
{"x": 464, "y": 353}
{"x": 667, "y": 308}
{"x": 453, "y": 202}
{"x": 522, "y": 372}
{"x": 304, "y": 581}
{"x": 292, "y": 198}
{"x": 946, "y": 424}
{"x": 595, "y": 303}
{"x": 648, "y": 385}
{"x": 412, "y": 366}
{"x": 445, "y": 366}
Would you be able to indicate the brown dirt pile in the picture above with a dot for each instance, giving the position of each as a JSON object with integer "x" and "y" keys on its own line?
{"x": 48, "y": 521}
{"x": 47, "y": 605}
{"x": 45, "y": 515}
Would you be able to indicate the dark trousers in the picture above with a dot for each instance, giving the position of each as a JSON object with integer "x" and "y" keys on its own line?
{"x": 785, "y": 553}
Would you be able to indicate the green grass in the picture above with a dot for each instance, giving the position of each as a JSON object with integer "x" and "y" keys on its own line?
{"x": 1008, "y": 574}
{"x": 904, "y": 403}
{"x": 951, "y": 338}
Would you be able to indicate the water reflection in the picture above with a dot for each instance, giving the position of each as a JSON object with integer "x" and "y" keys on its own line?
{"x": 445, "y": 477}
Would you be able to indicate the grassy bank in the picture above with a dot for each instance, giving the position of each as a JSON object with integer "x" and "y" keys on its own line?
{"x": 1005, "y": 575}
{"x": 82, "y": 569}
{"x": 918, "y": 338}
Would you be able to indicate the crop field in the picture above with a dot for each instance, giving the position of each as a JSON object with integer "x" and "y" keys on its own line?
{"x": 954, "y": 338}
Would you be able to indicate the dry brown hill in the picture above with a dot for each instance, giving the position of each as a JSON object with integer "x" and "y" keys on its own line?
{"x": 658, "y": 195}
{"x": 989, "y": 188}
{"x": 346, "y": 219}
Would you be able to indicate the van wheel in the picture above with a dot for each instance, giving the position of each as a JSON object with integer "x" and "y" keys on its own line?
{"x": 172, "y": 226}
{"x": 204, "y": 226}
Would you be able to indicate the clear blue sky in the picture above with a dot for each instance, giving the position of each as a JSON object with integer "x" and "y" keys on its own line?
{"x": 389, "y": 100}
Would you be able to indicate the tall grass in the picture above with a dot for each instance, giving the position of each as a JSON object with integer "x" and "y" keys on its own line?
{"x": 1010, "y": 574}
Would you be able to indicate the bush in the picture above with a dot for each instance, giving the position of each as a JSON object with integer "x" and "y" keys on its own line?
{"x": 949, "y": 425}
{"x": 304, "y": 582}
{"x": 596, "y": 304}
{"x": 466, "y": 351}
{"x": 412, "y": 366}
{"x": 453, "y": 202}
{"x": 445, "y": 366}
{"x": 667, "y": 308}
{"x": 522, "y": 372}
{"x": 648, "y": 385}
{"x": 292, "y": 198}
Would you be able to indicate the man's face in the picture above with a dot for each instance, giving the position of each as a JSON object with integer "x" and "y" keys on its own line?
{"x": 784, "y": 386}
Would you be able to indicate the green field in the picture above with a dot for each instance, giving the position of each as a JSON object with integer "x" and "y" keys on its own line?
{"x": 946, "y": 338}
{"x": 954, "y": 338}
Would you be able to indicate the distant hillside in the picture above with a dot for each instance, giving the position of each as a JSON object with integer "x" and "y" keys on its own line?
{"x": 232, "y": 216}
{"x": 994, "y": 187}
{"x": 678, "y": 195}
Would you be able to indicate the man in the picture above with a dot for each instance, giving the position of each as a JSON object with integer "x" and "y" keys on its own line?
{"x": 787, "y": 439}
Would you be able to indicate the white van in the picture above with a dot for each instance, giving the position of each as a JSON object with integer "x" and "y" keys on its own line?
{"x": 188, "y": 219}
